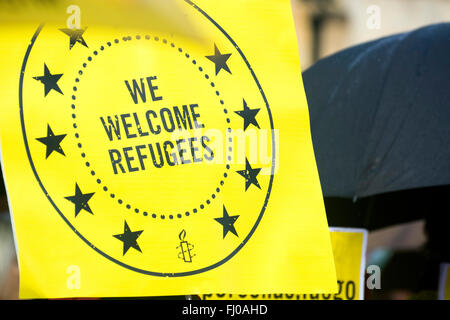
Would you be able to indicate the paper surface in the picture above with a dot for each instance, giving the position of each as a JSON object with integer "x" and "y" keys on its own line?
{"x": 139, "y": 163}
{"x": 349, "y": 249}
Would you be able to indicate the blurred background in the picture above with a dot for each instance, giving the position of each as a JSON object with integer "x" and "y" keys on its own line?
{"x": 323, "y": 27}
{"x": 327, "y": 26}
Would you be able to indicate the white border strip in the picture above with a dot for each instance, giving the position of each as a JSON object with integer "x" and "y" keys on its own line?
{"x": 363, "y": 255}
{"x": 10, "y": 209}
{"x": 443, "y": 275}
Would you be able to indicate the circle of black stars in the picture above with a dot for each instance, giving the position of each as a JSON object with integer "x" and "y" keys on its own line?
{"x": 76, "y": 36}
{"x": 129, "y": 238}
{"x": 52, "y": 142}
{"x": 81, "y": 200}
{"x": 220, "y": 60}
{"x": 227, "y": 223}
{"x": 248, "y": 115}
{"x": 250, "y": 175}
{"x": 49, "y": 80}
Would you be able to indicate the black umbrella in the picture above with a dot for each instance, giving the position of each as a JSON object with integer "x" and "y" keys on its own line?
{"x": 380, "y": 124}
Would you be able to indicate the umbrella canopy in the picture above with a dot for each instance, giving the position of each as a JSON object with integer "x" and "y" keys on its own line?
{"x": 380, "y": 125}
{"x": 380, "y": 114}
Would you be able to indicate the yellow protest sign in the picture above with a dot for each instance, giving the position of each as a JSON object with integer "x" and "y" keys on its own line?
{"x": 444, "y": 282}
{"x": 349, "y": 249}
{"x": 143, "y": 162}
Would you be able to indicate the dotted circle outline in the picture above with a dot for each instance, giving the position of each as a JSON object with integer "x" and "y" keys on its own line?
{"x": 85, "y": 240}
{"x": 88, "y": 164}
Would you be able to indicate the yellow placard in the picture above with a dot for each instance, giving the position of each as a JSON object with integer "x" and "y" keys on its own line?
{"x": 349, "y": 249}
{"x": 444, "y": 282}
{"x": 147, "y": 162}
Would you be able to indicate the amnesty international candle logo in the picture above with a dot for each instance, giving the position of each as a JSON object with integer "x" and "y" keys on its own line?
{"x": 158, "y": 151}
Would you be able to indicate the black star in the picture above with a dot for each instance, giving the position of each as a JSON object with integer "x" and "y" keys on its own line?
{"x": 49, "y": 80}
{"x": 52, "y": 142}
{"x": 250, "y": 175}
{"x": 80, "y": 200}
{"x": 129, "y": 238}
{"x": 220, "y": 60}
{"x": 249, "y": 116}
{"x": 227, "y": 222}
{"x": 76, "y": 35}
